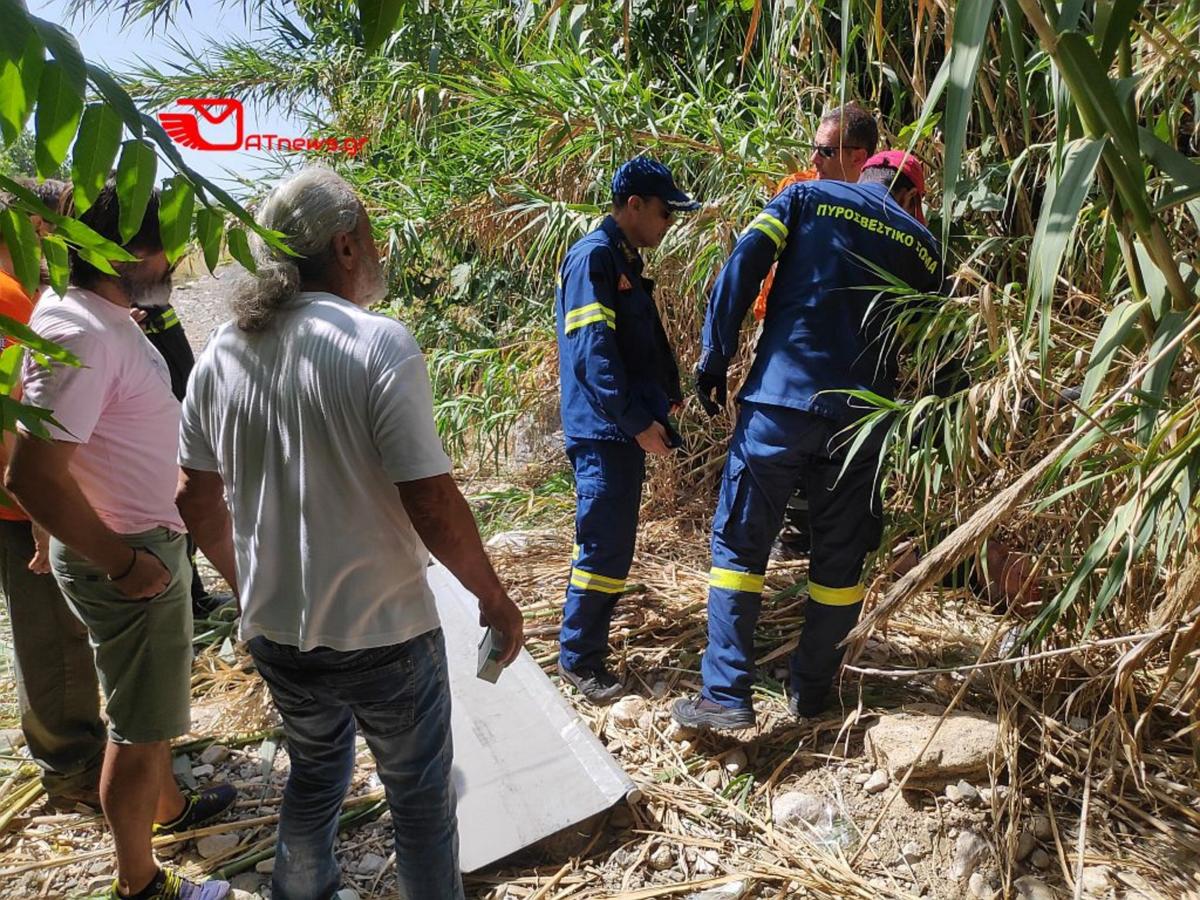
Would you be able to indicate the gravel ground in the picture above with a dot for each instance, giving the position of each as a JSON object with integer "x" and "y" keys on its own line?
{"x": 201, "y": 303}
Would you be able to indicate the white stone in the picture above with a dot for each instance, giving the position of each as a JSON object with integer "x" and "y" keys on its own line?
{"x": 1039, "y": 858}
{"x": 662, "y": 858}
{"x": 249, "y": 882}
{"x": 967, "y": 791}
{"x": 732, "y": 890}
{"x": 516, "y": 541}
{"x": 1026, "y": 843}
{"x": 953, "y": 794}
{"x": 735, "y": 762}
{"x": 626, "y": 711}
{"x": 203, "y": 771}
{"x": 371, "y": 863}
{"x": 1096, "y": 880}
{"x": 216, "y": 844}
{"x": 346, "y": 894}
{"x": 265, "y": 866}
{"x": 1030, "y": 888}
{"x": 795, "y": 807}
{"x": 659, "y": 689}
{"x": 979, "y": 887}
{"x": 861, "y": 778}
{"x": 711, "y": 779}
{"x": 963, "y": 746}
{"x": 969, "y": 851}
{"x": 877, "y": 782}
{"x": 677, "y": 733}
{"x": 214, "y": 753}
{"x": 912, "y": 852}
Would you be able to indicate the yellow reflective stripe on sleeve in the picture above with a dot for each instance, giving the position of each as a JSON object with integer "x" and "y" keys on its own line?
{"x": 590, "y": 581}
{"x": 828, "y": 596}
{"x": 598, "y": 317}
{"x": 170, "y": 318}
{"x": 575, "y": 553}
{"x": 587, "y": 315}
{"x": 730, "y": 580}
{"x": 771, "y": 227}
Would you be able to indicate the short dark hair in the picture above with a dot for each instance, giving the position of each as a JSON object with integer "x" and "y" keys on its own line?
{"x": 893, "y": 178}
{"x": 55, "y": 194}
{"x": 858, "y": 128}
{"x": 103, "y": 217}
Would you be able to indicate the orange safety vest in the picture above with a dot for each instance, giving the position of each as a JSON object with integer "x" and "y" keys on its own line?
{"x": 760, "y": 302}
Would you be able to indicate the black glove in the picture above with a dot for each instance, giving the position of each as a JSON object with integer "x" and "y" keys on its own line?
{"x": 711, "y": 389}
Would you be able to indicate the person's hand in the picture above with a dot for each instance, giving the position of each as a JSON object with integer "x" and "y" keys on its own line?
{"x": 148, "y": 577}
{"x": 654, "y": 440}
{"x": 40, "y": 563}
{"x": 138, "y": 315}
{"x": 505, "y": 617}
{"x": 711, "y": 389}
{"x": 675, "y": 407}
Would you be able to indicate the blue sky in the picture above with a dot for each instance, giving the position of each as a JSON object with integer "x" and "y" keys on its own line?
{"x": 105, "y": 40}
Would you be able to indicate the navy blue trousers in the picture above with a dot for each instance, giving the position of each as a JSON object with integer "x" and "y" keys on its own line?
{"x": 608, "y": 491}
{"x": 773, "y": 449}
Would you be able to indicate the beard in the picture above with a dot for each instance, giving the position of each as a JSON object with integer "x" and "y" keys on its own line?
{"x": 147, "y": 293}
{"x": 372, "y": 285}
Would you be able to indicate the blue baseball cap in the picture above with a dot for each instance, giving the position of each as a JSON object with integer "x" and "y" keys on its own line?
{"x": 647, "y": 177}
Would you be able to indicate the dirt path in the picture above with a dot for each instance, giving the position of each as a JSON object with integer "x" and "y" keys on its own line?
{"x": 202, "y": 303}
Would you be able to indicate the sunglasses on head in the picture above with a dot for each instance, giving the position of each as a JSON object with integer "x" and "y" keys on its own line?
{"x": 829, "y": 151}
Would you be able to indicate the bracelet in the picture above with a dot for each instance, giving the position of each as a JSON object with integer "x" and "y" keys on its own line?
{"x": 128, "y": 569}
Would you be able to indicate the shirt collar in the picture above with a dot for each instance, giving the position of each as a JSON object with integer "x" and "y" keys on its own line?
{"x": 617, "y": 238}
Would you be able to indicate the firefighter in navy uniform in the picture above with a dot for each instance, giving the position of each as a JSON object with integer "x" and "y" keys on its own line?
{"x": 620, "y": 383}
{"x": 827, "y": 329}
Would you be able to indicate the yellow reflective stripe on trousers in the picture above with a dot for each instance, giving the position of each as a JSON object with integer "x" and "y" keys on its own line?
{"x": 729, "y": 580}
{"x": 586, "y": 315}
{"x": 590, "y": 581}
{"x": 828, "y": 596}
{"x": 772, "y": 228}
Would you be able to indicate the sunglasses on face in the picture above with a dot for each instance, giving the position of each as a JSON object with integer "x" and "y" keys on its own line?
{"x": 829, "y": 151}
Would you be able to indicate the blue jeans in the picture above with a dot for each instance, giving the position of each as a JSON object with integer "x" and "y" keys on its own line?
{"x": 399, "y": 696}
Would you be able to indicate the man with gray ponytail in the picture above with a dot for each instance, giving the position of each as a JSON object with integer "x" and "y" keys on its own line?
{"x": 313, "y": 420}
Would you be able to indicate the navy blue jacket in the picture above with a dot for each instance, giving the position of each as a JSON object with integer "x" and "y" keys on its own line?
{"x": 617, "y": 370}
{"x": 826, "y": 327}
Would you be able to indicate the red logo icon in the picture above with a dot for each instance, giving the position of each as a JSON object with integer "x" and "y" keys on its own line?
{"x": 184, "y": 128}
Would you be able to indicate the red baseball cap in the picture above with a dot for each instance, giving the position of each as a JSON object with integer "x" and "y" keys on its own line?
{"x": 902, "y": 162}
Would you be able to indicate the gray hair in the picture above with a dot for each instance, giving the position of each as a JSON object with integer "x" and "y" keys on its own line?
{"x": 309, "y": 209}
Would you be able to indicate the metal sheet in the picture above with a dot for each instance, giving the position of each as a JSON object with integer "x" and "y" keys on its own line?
{"x": 525, "y": 765}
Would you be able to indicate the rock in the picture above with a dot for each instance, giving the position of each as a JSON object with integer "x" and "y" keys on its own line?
{"x": 216, "y": 844}
{"x": 962, "y": 748}
{"x": 213, "y": 754}
{"x": 1041, "y": 828}
{"x": 371, "y": 864}
{"x": 346, "y": 894}
{"x": 707, "y": 862}
{"x": 969, "y": 850}
{"x": 11, "y": 739}
{"x": 677, "y": 733}
{"x": 877, "y": 782}
{"x": 203, "y": 771}
{"x": 967, "y": 791}
{"x": 1096, "y": 881}
{"x": 1026, "y": 843}
{"x": 732, "y": 890}
{"x": 980, "y": 887}
{"x": 626, "y": 711}
{"x": 861, "y": 778}
{"x": 662, "y": 858}
{"x": 645, "y": 721}
{"x": 735, "y": 762}
{"x": 1030, "y": 888}
{"x": 711, "y": 779}
{"x": 795, "y": 807}
{"x": 659, "y": 689}
{"x": 250, "y": 882}
{"x": 265, "y": 866}
{"x": 516, "y": 541}
{"x": 1039, "y": 858}
{"x": 912, "y": 852}
{"x": 953, "y": 794}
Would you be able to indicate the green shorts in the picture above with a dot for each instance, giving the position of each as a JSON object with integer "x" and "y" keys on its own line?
{"x": 143, "y": 648}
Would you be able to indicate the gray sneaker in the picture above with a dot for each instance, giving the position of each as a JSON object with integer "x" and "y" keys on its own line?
{"x": 700, "y": 712}
{"x": 598, "y": 686}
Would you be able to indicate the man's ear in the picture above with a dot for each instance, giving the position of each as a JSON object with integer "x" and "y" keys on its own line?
{"x": 344, "y": 250}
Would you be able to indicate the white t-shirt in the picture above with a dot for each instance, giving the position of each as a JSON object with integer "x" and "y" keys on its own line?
{"x": 117, "y": 406}
{"x": 310, "y": 424}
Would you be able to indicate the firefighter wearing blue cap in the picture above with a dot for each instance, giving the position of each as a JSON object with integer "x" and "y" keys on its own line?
{"x": 843, "y": 250}
{"x": 619, "y": 385}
